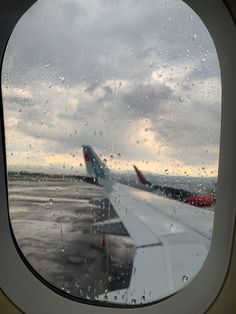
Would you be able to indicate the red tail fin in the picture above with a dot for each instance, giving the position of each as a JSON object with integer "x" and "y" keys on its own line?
{"x": 140, "y": 176}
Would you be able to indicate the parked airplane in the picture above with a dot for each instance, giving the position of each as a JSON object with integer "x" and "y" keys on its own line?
{"x": 165, "y": 232}
{"x": 196, "y": 199}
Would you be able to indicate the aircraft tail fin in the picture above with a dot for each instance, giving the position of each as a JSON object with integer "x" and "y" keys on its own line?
{"x": 94, "y": 165}
{"x": 141, "y": 177}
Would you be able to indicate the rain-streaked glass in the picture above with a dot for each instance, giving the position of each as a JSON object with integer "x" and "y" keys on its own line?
{"x": 137, "y": 83}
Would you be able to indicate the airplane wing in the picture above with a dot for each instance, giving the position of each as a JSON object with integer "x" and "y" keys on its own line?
{"x": 195, "y": 199}
{"x": 172, "y": 239}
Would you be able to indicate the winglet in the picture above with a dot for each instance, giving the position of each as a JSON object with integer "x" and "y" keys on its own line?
{"x": 95, "y": 167}
{"x": 141, "y": 177}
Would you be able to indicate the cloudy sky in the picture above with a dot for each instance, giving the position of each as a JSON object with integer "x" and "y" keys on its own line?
{"x": 137, "y": 80}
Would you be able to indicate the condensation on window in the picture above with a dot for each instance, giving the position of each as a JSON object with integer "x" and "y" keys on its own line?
{"x": 112, "y": 120}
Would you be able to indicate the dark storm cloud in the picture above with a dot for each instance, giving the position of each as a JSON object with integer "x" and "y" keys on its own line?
{"x": 103, "y": 40}
{"x": 103, "y": 53}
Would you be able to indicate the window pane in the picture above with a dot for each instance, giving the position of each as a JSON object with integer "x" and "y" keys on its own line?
{"x": 112, "y": 120}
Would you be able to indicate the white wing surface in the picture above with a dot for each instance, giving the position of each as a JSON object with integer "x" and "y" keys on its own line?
{"x": 172, "y": 240}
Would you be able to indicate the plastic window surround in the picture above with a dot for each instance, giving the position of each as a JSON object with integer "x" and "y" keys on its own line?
{"x": 32, "y": 296}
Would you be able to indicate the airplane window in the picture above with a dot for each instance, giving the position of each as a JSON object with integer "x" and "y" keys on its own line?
{"x": 112, "y": 121}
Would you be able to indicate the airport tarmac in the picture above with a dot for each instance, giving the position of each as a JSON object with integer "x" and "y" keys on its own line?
{"x": 51, "y": 220}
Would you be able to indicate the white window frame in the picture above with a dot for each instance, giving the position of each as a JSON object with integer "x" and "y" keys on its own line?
{"x": 34, "y": 297}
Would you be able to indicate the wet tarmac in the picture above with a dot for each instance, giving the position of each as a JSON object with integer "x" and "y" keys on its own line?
{"x": 56, "y": 224}
{"x": 52, "y": 219}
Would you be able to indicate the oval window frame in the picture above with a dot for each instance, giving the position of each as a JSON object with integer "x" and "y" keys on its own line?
{"x": 206, "y": 285}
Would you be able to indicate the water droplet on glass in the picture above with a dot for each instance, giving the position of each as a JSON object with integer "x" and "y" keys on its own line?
{"x": 181, "y": 99}
{"x": 143, "y": 299}
{"x": 105, "y": 296}
{"x": 185, "y": 279}
{"x": 195, "y": 37}
{"x": 61, "y": 79}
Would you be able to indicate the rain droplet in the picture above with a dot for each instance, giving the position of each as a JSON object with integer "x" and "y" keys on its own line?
{"x": 100, "y": 133}
{"x": 195, "y": 37}
{"x": 146, "y": 129}
{"x": 61, "y": 79}
{"x": 185, "y": 279}
{"x": 143, "y": 299}
{"x": 86, "y": 123}
{"x": 105, "y": 296}
{"x": 181, "y": 99}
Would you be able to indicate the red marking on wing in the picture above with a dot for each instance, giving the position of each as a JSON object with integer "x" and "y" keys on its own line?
{"x": 200, "y": 200}
{"x": 86, "y": 156}
{"x": 140, "y": 175}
